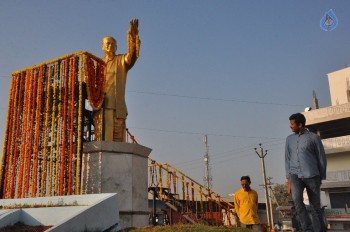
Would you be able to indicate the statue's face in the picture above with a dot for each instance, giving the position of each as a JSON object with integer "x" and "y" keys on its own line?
{"x": 109, "y": 45}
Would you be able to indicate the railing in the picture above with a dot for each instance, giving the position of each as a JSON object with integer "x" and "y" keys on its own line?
{"x": 343, "y": 175}
{"x": 342, "y": 142}
{"x": 172, "y": 182}
{"x": 130, "y": 136}
{"x": 318, "y": 115}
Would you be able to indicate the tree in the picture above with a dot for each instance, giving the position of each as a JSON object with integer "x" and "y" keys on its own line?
{"x": 281, "y": 195}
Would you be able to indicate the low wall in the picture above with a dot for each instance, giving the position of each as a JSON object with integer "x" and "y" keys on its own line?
{"x": 93, "y": 212}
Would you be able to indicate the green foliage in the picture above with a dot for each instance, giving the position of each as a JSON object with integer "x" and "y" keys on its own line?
{"x": 49, "y": 204}
{"x": 281, "y": 195}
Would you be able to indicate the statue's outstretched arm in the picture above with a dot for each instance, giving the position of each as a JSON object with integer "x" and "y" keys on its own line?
{"x": 133, "y": 42}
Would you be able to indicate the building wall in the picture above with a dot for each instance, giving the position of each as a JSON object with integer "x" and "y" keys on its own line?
{"x": 338, "y": 162}
{"x": 338, "y": 86}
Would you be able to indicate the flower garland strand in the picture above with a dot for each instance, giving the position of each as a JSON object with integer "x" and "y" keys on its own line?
{"x": 53, "y": 134}
{"x": 23, "y": 136}
{"x": 58, "y": 130}
{"x": 11, "y": 185}
{"x": 38, "y": 113}
{"x": 78, "y": 74}
{"x": 6, "y": 135}
{"x": 71, "y": 126}
{"x": 80, "y": 122}
{"x": 46, "y": 129}
{"x": 95, "y": 81}
{"x": 68, "y": 124}
{"x": 29, "y": 131}
{"x": 64, "y": 127}
{"x": 8, "y": 139}
{"x": 29, "y": 149}
{"x": 27, "y": 134}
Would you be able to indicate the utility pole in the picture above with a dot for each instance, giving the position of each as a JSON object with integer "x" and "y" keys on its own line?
{"x": 269, "y": 184}
{"x": 207, "y": 175}
{"x": 262, "y": 155}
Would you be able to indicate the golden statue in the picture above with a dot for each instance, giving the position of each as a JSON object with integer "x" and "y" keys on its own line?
{"x": 117, "y": 66}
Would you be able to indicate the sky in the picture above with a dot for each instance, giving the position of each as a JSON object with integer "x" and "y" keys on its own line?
{"x": 233, "y": 70}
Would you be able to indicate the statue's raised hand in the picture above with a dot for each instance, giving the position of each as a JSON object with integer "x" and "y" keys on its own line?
{"x": 134, "y": 27}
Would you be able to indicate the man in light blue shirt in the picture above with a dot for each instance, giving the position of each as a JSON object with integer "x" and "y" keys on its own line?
{"x": 306, "y": 165}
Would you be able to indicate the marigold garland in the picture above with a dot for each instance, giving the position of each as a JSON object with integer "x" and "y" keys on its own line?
{"x": 10, "y": 187}
{"x": 30, "y": 123}
{"x": 68, "y": 124}
{"x": 40, "y": 81}
{"x": 43, "y": 141}
{"x": 64, "y": 124}
{"x": 71, "y": 126}
{"x": 47, "y": 113}
{"x": 57, "y": 180}
{"x": 22, "y": 136}
{"x": 4, "y": 176}
{"x": 76, "y": 153}
{"x": 18, "y": 153}
{"x": 79, "y": 142}
{"x": 95, "y": 82}
{"x": 53, "y": 134}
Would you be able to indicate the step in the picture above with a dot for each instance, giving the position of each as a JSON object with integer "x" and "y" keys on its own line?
{"x": 188, "y": 218}
{"x": 173, "y": 207}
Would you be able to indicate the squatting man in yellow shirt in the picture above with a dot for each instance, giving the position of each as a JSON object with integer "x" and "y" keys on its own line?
{"x": 246, "y": 205}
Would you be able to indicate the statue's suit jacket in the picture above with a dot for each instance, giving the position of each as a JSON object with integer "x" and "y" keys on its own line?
{"x": 116, "y": 75}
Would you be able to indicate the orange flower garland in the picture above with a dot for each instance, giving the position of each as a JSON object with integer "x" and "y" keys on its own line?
{"x": 64, "y": 87}
{"x": 79, "y": 142}
{"x": 59, "y": 131}
{"x": 38, "y": 107}
{"x": 5, "y": 183}
{"x": 23, "y": 135}
{"x": 71, "y": 134}
{"x": 53, "y": 134}
{"x": 31, "y": 121}
{"x": 46, "y": 129}
{"x": 95, "y": 81}
{"x": 10, "y": 186}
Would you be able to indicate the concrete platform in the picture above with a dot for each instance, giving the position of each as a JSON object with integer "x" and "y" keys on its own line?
{"x": 116, "y": 167}
{"x": 93, "y": 212}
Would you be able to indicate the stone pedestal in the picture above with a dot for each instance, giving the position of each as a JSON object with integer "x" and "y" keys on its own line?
{"x": 116, "y": 167}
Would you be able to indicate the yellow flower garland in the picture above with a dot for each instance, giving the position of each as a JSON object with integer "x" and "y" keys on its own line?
{"x": 53, "y": 137}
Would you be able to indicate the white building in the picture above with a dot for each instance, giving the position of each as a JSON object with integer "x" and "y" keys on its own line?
{"x": 332, "y": 124}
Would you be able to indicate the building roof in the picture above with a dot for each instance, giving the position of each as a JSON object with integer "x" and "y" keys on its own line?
{"x": 329, "y": 122}
{"x": 331, "y": 185}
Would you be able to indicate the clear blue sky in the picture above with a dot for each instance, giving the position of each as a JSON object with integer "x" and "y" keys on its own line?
{"x": 234, "y": 70}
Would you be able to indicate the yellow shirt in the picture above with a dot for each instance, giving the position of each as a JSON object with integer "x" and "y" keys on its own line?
{"x": 246, "y": 206}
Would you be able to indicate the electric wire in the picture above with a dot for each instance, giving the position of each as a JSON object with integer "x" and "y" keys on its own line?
{"x": 200, "y": 133}
{"x": 232, "y": 154}
{"x": 205, "y": 98}
{"x": 215, "y": 99}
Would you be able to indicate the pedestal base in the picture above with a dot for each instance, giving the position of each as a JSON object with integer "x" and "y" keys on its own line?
{"x": 115, "y": 167}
